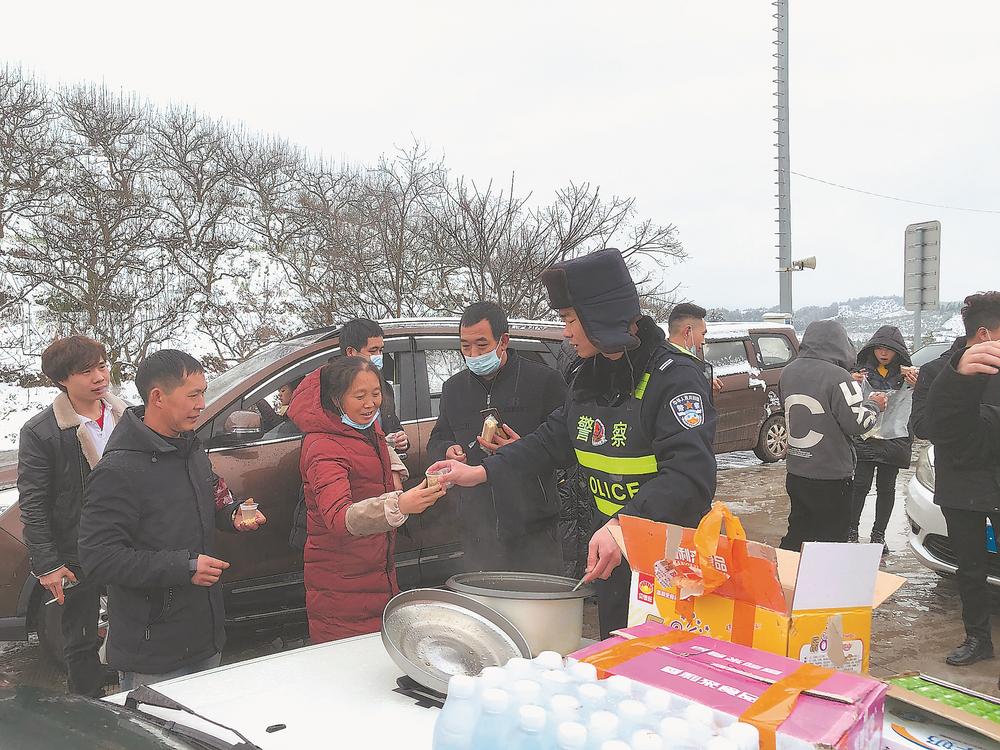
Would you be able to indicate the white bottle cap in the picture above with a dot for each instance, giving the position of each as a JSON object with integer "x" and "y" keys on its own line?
{"x": 495, "y": 701}
{"x": 571, "y": 735}
{"x": 556, "y": 678}
{"x": 646, "y": 739}
{"x": 527, "y": 691}
{"x": 721, "y": 743}
{"x": 461, "y": 686}
{"x": 493, "y": 676}
{"x": 532, "y": 718}
{"x": 744, "y": 735}
{"x": 602, "y": 724}
{"x": 564, "y": 705}
{"x": 619, "y": 686}
{"x": 699, "y": 714}
{"x": 673, "y": 728}
{"x": 549, "y": 660}
{"x": 657, "y": 701}
{"x": 581, "y": 671}
{"x": 615, "y": 745}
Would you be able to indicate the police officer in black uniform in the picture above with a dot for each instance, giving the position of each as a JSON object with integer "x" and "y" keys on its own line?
{"x": 638, "y": 419}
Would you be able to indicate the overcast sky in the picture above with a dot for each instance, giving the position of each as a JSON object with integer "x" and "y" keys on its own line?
{"x": 670, "y": 102}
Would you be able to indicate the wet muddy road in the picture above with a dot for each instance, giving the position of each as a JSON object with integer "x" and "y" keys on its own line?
{"x": 912, "y": 631}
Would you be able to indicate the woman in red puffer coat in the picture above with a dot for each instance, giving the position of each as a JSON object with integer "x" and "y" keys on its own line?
{"x": 352, "y": 508}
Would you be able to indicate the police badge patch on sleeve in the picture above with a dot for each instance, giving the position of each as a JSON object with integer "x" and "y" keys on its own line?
{"x": 688, "y": 410}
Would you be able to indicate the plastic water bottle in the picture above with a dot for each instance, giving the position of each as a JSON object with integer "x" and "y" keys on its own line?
{"x": 556, "y": 682}
{"x": 563, "y": 709}
{"x": 548, "y": 660}
{"x": 619, "y": 688}
{"x": 526, "y": 693}
{"x": 593, "y": 697}
{"x": 571, "y": 735}
{"x": 581, "y": 672}
{"x": 520, "y": 668}
{"x": 701, "y": 723}
{"x": 658, "y": 704}
{"x": 493, "y": 677}
{"x": 494, "y": 726}
{"x": 632, "y": 716}
{"x": 647, "y": 739}
{"x": 457, "y": 720}
{"x": 530, "y": 732}
{"x": 603, "y": 726}
{"x": 721, "y": 743}
{"x": 744, "y": 735}
{"x": 676, "y": 733}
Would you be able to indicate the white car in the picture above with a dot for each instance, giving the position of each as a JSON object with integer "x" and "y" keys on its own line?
{"x": 928, "y": 534}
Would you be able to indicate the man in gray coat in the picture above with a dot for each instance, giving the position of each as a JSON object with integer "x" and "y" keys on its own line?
{"x": 824, "y": 408}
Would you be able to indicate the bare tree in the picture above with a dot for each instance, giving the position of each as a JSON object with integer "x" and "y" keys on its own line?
{"x": 93, "y": 254}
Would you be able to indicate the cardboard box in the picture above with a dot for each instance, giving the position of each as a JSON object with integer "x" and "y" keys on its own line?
{"x": 815, "y": 606}
{"x": 914, "y": 720}
{"x": 845, "y": 711}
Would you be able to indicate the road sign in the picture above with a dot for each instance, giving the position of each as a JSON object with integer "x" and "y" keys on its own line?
{"x": 922, "y": 266}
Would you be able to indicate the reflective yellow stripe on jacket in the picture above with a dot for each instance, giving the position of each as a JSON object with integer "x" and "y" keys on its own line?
{"x": 628, "y": 471}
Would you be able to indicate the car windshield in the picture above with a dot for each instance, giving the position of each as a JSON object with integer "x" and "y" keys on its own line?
{"x": 226, "y": 380}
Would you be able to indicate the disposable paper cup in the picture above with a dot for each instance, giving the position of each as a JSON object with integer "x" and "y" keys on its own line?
{"x": 434, "y": 477}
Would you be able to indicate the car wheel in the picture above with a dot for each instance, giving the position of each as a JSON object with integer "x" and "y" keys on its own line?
{"x": 50, "y": 632}
{"x": 773, "y": 442}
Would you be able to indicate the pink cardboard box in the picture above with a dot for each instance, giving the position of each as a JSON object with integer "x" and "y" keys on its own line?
{"x": 844, "y": 712}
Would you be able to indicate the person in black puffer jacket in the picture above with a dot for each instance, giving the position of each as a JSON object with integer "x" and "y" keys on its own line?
{"x": 885, "y": 363}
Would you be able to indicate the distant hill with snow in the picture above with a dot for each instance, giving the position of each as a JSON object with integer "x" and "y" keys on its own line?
{"x": 862, "y": 316}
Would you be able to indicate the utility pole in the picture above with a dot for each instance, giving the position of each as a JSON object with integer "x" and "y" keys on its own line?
{"x": 784, "y": 161}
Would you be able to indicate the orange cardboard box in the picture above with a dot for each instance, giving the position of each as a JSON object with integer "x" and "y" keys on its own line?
{"x": 814, "y": 606}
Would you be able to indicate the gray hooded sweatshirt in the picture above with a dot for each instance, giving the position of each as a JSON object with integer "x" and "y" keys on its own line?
{"x": 824, "y": 406}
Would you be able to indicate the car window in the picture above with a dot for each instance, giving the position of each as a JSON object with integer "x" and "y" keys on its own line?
{"x": 774, "y": 350}
{"x": 727, "y": 357}
{"x": 441, "y": 365}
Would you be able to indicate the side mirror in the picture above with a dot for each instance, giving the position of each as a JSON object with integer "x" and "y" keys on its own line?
{"x": 243, "y": 423}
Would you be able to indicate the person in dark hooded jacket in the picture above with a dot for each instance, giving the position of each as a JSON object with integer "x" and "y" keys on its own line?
{"x": 147, "y": 530}
{"x": 885, "y": 363}
{"x": 824, "y": 409}
{"x": 638, "y": 419}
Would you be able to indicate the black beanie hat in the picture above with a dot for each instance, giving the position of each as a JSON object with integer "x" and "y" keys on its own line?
{"x": 600, "y": 288}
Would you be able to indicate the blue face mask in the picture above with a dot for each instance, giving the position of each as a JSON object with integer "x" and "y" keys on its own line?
{"x": 484, "y": 365}
{"x": 377, "y": 360}
{"x": 351, "y": 423}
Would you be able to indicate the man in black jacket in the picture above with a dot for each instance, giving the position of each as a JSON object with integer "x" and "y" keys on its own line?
{"x": 638, "y": 418}
{"x": 524, "y": 393}
{"x": 365, "y": 338}
{"x": 58, "y": 448}
{"x": 148, "y": 526}
{"x": 967, "y": 483}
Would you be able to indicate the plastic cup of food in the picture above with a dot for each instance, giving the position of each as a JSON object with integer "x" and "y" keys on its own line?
{"x": 248, "y": 512}
{"x": 434, "y": 478}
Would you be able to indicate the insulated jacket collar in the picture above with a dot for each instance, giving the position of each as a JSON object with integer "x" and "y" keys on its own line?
{"x": 827, "y": 340}
{"x": 887, "y": 337}
{"x": 308, "y": 414}
{"x": 131, "y": 434}
{"x": 67, "y": 419}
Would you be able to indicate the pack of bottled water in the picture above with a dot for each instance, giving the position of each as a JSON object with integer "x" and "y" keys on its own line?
{"x": 545, "y": 704}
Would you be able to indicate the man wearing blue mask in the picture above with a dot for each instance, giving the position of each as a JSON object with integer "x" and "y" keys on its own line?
{"x": 365, "y": 338}
{"x": 523, "y": 392}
